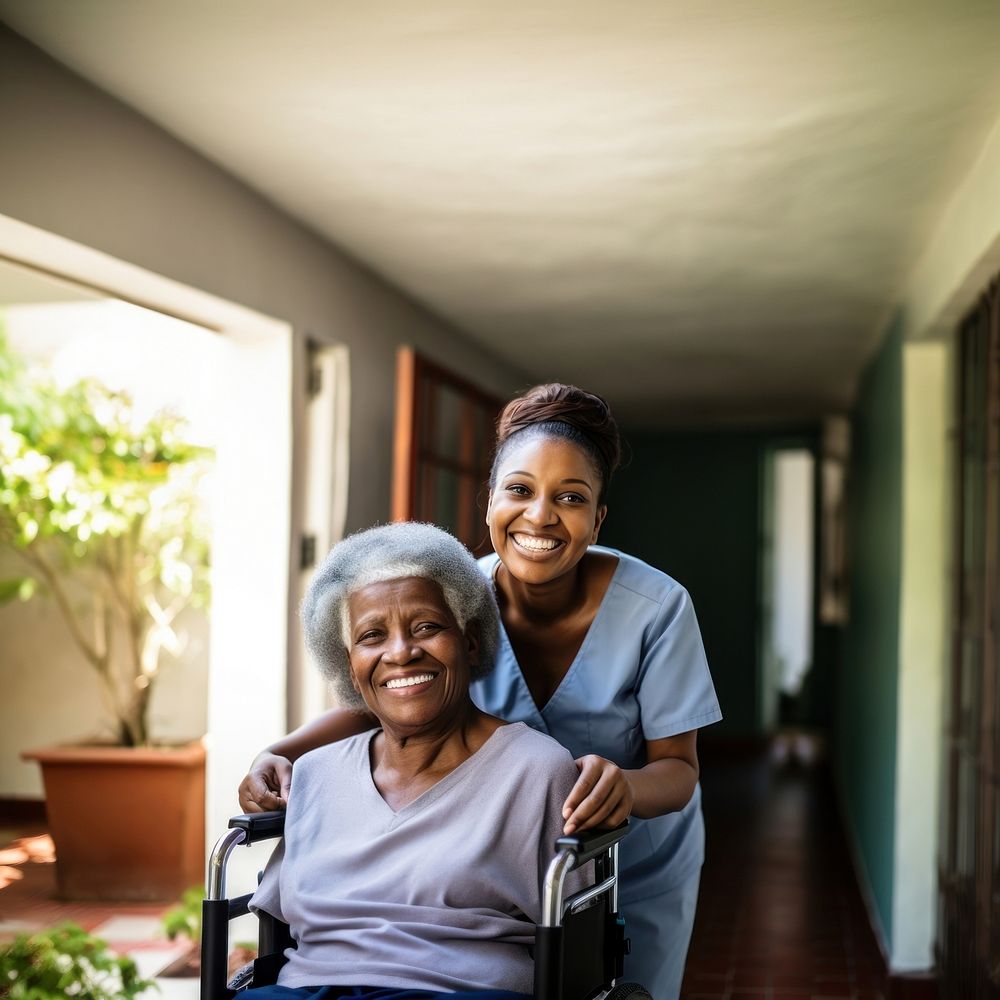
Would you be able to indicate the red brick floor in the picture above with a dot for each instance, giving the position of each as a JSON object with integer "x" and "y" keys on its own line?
{"x": 780, "y": 916}
{"x": 28, "y": 887}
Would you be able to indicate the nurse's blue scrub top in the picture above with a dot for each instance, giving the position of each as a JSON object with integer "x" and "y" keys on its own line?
{"x": 640, "y": 674}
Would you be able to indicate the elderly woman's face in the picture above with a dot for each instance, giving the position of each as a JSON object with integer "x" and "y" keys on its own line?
{"x": 409, "y": 660}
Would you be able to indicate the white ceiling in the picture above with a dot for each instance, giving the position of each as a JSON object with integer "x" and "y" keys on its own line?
{"x": 703, "y": 210}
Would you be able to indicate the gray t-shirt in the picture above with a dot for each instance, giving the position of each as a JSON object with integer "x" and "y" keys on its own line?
{"x": 441, "y": 895}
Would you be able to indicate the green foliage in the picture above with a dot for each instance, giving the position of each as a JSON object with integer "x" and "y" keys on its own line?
{"x": 66, "y": 962}
{"x": 92, "y": 495}
{"x": 184, "y": 920}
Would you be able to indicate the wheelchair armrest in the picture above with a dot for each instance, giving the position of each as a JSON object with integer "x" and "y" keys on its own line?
{"x": 259, "y": 826}
{"x": 590, "y": 843}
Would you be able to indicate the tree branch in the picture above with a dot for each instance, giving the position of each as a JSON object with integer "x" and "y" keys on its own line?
{"x": 35, "y": 560}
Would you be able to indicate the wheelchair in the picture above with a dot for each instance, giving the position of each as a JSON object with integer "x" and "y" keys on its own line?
{"x": 580, "y": 945}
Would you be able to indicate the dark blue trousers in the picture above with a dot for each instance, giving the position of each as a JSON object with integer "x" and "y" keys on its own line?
{"x": 373, "y": 993}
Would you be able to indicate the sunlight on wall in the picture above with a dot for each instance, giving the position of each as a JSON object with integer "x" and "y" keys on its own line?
{"x": 924, "y": 604}
{"x": 161, "y": 361}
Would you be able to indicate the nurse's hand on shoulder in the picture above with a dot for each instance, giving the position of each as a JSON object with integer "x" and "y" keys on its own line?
{"x": 265, "y": 788}
{"x": 602, "y": 796}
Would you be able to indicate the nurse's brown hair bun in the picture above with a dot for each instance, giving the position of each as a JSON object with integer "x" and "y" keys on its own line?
{"x": 569, "y": 412}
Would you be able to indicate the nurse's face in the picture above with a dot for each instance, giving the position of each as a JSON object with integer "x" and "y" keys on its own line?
{"x": 543, "y": 510}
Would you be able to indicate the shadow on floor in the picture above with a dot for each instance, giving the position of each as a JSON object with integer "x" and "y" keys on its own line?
{"x": 28, "y": 903}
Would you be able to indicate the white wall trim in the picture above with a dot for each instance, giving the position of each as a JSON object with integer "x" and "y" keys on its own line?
{"x": 923, "y": 622}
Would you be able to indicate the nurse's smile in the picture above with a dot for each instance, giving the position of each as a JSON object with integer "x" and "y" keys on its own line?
{"x": 535, "y": 544}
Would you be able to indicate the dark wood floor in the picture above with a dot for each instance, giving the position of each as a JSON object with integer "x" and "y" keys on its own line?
{"x": 780, "y": 916}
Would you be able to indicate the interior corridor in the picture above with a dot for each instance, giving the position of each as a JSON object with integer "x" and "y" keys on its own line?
{"x": 780, "y": 916}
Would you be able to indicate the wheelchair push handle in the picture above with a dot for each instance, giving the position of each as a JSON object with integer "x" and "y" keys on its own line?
{"x": 259, "y": 826}
{"x": 572, "y": 852}
{"x": 246, "y": 830}
{"x": 588, "y": 845}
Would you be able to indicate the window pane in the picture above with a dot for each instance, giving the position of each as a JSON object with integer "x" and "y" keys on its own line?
{"x": 445, "y": 511}
{"x": 423, "y": 507}
{"x": 446, "y": 442}
{"x": 968, "y": 705}
{"x": 485, "y": 432}
{"x": 426, "y": 410}
{"x": 965, "y": 854}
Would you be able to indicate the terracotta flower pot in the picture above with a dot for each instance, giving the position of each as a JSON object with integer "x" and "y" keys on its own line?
{"x": 128, "y": 824}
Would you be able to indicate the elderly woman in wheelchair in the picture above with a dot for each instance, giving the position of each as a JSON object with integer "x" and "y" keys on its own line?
{"x": 413, "y": 854}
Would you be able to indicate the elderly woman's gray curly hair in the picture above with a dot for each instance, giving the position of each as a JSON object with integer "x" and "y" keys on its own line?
{"x": 390, "y": 552}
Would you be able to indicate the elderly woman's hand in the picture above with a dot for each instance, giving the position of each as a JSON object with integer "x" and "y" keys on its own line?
{"x": 265, "y": 788}
{"x": 602, "y": 796}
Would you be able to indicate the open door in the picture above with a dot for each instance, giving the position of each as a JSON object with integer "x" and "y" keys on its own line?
{"x": 443, "y": 449}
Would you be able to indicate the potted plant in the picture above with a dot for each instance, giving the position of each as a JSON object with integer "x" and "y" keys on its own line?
{"x": 184, "y": 921}
{"x": 66, "y": 962}
{"x": 104, "y": 516}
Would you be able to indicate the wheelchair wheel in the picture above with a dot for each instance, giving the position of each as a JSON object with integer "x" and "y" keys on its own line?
{"x": 242, "y": 978}
{"x": 628, "y": 991}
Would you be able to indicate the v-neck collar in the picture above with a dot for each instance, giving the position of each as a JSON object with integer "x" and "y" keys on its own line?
{"x": 539, "y": 713}
{"x": 396, "y": 816}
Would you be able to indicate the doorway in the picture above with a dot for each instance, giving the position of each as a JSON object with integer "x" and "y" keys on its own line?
{"x": 788, "y": 576}
{"x": 253, "y": 392}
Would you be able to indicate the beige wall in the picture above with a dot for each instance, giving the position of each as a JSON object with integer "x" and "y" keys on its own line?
{"x": 75, "y": 162}
{"x": 50, "y": 695}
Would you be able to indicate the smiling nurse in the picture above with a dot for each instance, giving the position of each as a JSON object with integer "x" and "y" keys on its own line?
{"x": 598, "y": 650}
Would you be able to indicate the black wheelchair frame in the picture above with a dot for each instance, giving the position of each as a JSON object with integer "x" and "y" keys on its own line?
{"x": 580, "y": 944}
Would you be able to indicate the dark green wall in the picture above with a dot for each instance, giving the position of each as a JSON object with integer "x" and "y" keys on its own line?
{"x": 689, "y": 504}
{"x": 865, "y": 724}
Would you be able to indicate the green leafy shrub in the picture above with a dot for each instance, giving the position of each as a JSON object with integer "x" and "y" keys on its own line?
{"x": 184, "y": 919}
{"x": 104, "y": 515}
{"x": 66, "y": 962}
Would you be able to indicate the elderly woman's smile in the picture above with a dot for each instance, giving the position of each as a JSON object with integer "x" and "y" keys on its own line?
{"x": 405, "y": 683}
{"x": 409, "y": 659}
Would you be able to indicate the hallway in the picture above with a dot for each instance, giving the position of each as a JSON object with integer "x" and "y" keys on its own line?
{"x": 752, "y": 228}
{"x": 780, "y": 916}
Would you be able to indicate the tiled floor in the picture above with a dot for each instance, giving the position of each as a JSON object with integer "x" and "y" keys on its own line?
{"x": 28, "y": 903}
{"x": 780, "y": 916}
